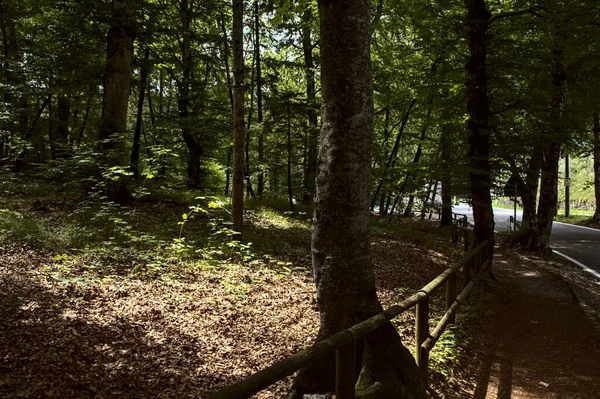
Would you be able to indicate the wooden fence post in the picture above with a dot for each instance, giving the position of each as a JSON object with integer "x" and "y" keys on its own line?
{"x": 454, "y": 234}
{"x": 344, "y": 372}
{"x": 467, "y": 272}
{"x": 467, "y": 239}
{"x": 421, "y": 334}
{"x": 451, "y": 294}
{"x": 478, "y": 261}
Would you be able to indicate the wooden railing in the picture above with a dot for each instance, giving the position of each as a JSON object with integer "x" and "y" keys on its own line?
{"x": 462, "y": 231}
{"x": 344, "y": 342}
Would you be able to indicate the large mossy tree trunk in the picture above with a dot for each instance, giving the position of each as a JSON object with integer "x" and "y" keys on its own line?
{"x": 596, "y": 131}
{"x": 478, "y": 106}
{"x": 343, "y": 271}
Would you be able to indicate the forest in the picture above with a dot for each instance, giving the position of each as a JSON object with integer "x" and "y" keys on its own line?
{"x": 146, "y": 142}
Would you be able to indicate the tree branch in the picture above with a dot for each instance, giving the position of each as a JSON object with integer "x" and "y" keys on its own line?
{"x": 532, "y": 11}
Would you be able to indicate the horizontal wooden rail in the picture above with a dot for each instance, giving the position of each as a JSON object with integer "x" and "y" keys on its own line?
{"x": 278, "y": 371}
{"x": 343, "y": 342}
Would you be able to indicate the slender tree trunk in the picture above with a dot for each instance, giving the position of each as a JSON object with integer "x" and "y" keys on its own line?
{"x": 237, "y": 206}
{"x": 392, "y": 158}
{"x": 230, "y": 92}
{"x": 529, "y": 192}
{"x": 86, "y": 115}
{"x": 555, "y": 136}
{"x": 60, "y": 144}
{"x": 249, "y": 190}
{"x": 289, "y": 158}
{"x": 313, "y": 128}
{"x": 433, "y": 195}
{"x": 426, "y": 200}
{"x": 596, "y": 130}
{"x": 446, "y": 144}
{"x": 478, "y": 106}
{"x": 417, "y": 157}
{"x": 228, "y": 170}
{"x": 195, "y": 149}
{"x": 137, "y": 134}
{"x": 259, "y": 105}
{"x": 346, "y": 292}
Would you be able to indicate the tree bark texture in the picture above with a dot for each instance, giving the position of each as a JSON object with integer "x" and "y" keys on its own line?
{"x": 392, "y": 158}
{"x": 137, "y": 133}
{"x": 260, "y": 184}
{"x": 117, "y": 79}
{"x": 478, "y": 107}
{"x": 341, "y": 254}
{"x": 60, "y": 140}
{"x": 596, "y": 131}
{"x": 193, "y": 144}
{"x": 529, "y": 192}
{"x": 311, "y": 103}
{"x": 289, "y": 158}
{"x": 446, "y": 144}
{"x": 237, "y": 200}
{"x": 555, "y": 137}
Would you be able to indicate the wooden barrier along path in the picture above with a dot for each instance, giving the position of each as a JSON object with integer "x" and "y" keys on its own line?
{"x": 344, "y": 342}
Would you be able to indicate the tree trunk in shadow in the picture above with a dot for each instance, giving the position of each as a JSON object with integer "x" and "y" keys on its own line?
{"x": 346, "y": 292}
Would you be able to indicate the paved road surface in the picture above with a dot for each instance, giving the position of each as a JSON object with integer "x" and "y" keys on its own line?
{"x": 582, "y": 244}
{"x": 579, "y": 243}
{"x": 501, "y": 216}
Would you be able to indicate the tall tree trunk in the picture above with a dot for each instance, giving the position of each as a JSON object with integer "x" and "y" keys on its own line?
{"x": 392, "y": 158}
{"x": 117, "y": 79}
{"x": 60, "y": 142}
{"x": 346, "y": 292}
{"x": 596, "y": 131}
{"x": 417, "y": 157}
{"x": 289, "y": 158}
{"x": 260, "y": 184}
{"x": 230, "y": 92}
{"x": 529, "y": 193}
{"x": 137, "y": 133}
{"x": 86, "y": 115}
{"x": 311, "y": 103}
{"x": 433, "y": 195}
{"x": 446, "y": 144}
{"x": 249, "y": 190}
{"x": 478, "y": 106}
{"x": 186, "y": 124}
{"x": 237, "y": 201}
{"x": 555, "y": 136}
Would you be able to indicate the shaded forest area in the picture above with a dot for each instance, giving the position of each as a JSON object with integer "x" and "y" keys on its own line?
{"x": 127, "y": 91}
{"x": 162, "y": 160}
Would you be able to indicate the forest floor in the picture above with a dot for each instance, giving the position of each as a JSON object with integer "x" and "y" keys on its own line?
{"x": 117, "y": 320}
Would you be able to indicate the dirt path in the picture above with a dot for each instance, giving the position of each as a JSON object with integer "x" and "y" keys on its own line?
{"x": 539, "y": 342}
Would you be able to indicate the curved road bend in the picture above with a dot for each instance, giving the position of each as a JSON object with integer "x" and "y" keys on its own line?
{"x": 581, "y": 245}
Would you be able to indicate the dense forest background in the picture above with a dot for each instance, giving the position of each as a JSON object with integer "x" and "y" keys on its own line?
{"x": 127, "y": 95}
